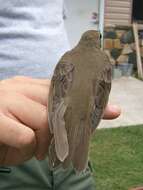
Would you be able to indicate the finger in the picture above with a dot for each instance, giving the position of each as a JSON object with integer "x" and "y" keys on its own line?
{"x": 112, "y": 112}
{"x": 36, "y": 118}
{"x": 26, "y": 79}
{"x": 33, "y": 91}
{"x": 43, "y": 145}
{"x": 15, "y": 134}
{"x": 12, "y": 156}
{"x": 32, "y": 80}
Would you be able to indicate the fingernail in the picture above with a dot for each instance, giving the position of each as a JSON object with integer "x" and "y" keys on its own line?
{"x": 115, "y": 108}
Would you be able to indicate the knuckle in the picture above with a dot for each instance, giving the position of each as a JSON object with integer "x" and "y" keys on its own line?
{"x": 26, "y": 140}
{"x": 11, "y": 80}
{"x": 4, "y": 82}
{"x": 17, "y": 78}
{"x": 8, "y": 81}
{"x": 44, "y": 118}
{"x": 20, "y": 78}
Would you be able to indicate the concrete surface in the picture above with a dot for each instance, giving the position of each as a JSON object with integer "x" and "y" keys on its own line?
{"x": 127, "y": 92}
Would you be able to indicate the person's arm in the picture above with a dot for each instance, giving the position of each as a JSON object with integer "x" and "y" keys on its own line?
{"x": 24, "y": 131}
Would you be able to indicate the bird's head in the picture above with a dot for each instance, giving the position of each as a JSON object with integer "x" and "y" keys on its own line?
{"x": 91, "y": 38}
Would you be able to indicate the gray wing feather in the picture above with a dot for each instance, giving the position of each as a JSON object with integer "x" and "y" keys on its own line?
{"x": 60, "y": 133}
{"x": 101, "y": 95}
{"x": 61, "y": 82}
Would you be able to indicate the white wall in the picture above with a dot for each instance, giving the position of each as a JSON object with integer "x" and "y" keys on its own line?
{"x": 79, "y": 17}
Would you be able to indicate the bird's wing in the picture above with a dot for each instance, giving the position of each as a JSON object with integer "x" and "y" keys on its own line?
{"x": 101, "y": 92}
{"x": 80, "y": 146}
{"x": 61, "y": 82}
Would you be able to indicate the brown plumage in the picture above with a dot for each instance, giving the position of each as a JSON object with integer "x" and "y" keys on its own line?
{"x": 78, "y": 95}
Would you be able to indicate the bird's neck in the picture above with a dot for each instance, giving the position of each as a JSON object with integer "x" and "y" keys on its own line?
{"x": 88, "y": 44}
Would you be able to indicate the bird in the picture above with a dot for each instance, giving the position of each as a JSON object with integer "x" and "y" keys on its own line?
{"x": 78, "y": 95}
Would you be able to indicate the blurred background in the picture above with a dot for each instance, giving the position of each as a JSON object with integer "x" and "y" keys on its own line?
{"x": 80, "y": 16}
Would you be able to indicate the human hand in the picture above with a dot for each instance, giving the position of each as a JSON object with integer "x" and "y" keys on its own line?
{"x": 24, "y": 131}
{"x": 112, "y": 112}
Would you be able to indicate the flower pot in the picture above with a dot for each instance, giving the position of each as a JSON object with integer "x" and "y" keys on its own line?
{"x": 126, "y": 69}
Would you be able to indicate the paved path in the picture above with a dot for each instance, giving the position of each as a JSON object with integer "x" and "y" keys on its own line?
{"x": 127, "y": 92}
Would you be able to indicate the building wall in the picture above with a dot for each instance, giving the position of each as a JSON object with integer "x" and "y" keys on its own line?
{"x": 118, "y": 12}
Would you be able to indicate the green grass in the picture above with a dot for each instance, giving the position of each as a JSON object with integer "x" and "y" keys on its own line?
{"x": 117, "y": 158}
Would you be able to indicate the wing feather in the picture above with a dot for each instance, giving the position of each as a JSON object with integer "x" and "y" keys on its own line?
{"x": 60, "y": 133}
{"x": 100, "y": 96}
{"x": 61, "y": 82}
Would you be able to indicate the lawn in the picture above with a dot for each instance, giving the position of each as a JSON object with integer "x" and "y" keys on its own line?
{"x": 117, "y": 158}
